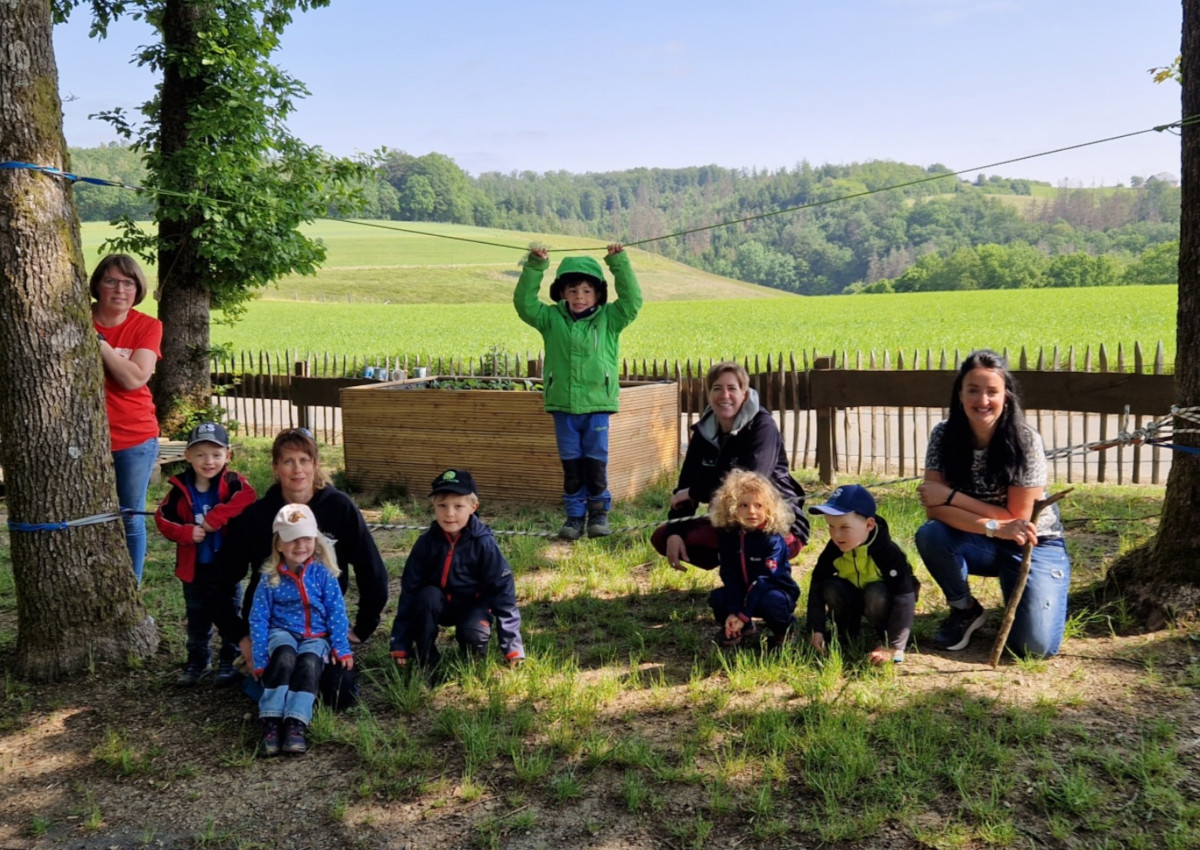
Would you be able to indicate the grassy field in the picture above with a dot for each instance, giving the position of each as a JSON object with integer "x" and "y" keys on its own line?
{"x": 431, "y": 296}
{"x": 627, "y": 728}
{"x": 384, "y": 262}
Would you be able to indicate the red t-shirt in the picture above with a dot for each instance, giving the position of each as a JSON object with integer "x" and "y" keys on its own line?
{"x": 131, "y": 418}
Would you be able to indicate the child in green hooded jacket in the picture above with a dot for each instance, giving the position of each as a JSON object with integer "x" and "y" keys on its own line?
{"x": 580, "y": 331}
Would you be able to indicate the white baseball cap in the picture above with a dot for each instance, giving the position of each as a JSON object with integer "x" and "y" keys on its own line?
{"x": 293, "y": 522}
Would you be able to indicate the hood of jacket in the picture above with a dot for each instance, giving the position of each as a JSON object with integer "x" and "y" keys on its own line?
{"x": 574, "y": 269}
{"x": 708, "y": 427}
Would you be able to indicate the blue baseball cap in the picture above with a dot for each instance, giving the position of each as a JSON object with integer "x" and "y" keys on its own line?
{"x": 851, "y": 499}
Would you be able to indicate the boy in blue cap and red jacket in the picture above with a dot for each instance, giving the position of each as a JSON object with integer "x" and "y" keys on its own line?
{"x": 198, "y": 505}
{"x": 581, "y": 331}
{"x": 456, "y": 576}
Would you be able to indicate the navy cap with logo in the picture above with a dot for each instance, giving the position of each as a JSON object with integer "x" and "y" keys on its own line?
{"x": 454, "y": 481}
{"x": 850, "y": 499}
{"x": 209, "y": 432}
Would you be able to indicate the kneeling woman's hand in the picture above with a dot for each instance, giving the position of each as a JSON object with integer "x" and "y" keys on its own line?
{"x": 676, "y": 552}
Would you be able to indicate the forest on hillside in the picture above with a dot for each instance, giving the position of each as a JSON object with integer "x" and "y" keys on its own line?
{"x": 933, "y": 231}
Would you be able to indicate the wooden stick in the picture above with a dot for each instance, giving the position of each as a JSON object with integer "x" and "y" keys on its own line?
{"x": 1010, "y": 610}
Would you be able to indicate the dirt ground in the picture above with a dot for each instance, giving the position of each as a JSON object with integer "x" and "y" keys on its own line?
{"x": 200, "y": 788}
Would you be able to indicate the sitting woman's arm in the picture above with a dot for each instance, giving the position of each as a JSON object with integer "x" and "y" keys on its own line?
{"x": 966, "y": 513}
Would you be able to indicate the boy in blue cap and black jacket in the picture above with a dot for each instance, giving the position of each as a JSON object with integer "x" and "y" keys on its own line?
{"x": 580, "y": 331}
{"x": 861, "y": 572}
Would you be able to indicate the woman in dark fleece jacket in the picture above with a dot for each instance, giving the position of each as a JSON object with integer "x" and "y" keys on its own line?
{"x": 733, "y": 433}
{"x": 295, "y": 460}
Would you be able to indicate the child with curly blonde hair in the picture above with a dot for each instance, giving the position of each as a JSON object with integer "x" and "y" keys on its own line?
{"x": 297, "y": 621}
{"x": 751, "y": 519}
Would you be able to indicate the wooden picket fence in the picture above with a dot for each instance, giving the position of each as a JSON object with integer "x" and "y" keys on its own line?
{"x": 862, "y": 414}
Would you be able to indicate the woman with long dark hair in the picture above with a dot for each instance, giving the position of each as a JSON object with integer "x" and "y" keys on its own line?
{"x": 984, "y": 469}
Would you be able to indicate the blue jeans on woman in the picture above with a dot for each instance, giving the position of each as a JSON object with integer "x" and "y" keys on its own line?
{"x": 133, "y": 467}
{"x": 951, "y": 556}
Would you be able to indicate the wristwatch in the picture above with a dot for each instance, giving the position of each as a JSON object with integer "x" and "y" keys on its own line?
{"x": 992, "y": 526}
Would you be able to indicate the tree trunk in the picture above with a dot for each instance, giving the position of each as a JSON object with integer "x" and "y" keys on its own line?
{"x": 77, "y": 602}
{"x": 182, "y": 380}
{"x": 1163, "y": 577}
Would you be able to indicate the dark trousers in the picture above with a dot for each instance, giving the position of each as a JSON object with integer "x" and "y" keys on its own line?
{"x": 430, "y": 609}
{"x": 200, "y": 625}
{"x": 848, "y": 604}
{"x": 775, "y": 607}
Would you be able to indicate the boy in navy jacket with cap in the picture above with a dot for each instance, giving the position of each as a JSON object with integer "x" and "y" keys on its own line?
{"x": 456, "y": 576}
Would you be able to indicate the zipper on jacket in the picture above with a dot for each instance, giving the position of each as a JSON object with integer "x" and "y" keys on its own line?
{"x": 446, "y": 565}
{"x": 304, "y": 603}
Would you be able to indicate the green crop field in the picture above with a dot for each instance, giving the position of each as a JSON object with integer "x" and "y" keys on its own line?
{"x": 965, "y": 320}
{"x": 389, "y": 294}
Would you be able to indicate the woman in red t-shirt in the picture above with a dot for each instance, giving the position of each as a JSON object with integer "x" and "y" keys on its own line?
{"x": 130, "y": 346}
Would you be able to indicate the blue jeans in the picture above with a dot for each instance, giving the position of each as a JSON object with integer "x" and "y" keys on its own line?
{"x": 582, "y": 440}
{"x": 291, "y": 692}
{"x": 133, "y": 467}
{"x": 951, "y": 556}
{"x": 200, "y": 625}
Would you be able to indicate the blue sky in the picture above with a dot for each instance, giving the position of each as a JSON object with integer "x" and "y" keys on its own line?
{"x": 544, "y": 86}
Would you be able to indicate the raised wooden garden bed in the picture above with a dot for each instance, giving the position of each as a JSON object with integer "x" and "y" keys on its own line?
{"x": 402, "y": 434}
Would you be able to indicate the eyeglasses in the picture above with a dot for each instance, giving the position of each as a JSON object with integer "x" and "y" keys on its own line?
{"x": 117, "y": 283}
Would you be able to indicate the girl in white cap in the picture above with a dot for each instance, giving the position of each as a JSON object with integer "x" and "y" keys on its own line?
{"x": 298, "y": 619}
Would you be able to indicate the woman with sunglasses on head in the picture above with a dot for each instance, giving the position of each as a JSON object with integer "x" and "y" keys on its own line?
{"x": 130, "y": 346}
{"x": 299, "y": 479}
{"x": 734, "y": 432}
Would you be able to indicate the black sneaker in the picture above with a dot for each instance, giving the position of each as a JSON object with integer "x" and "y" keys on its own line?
{"x": 956, "y": 630}
{"x": 191, "y": 674}
{"x": 597, "y": 525}
{"x": 227, "y": 674}
{"x": 271, "y": 736}
{"x": 572, "y": 529}
{"x": 295, "y": 741}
